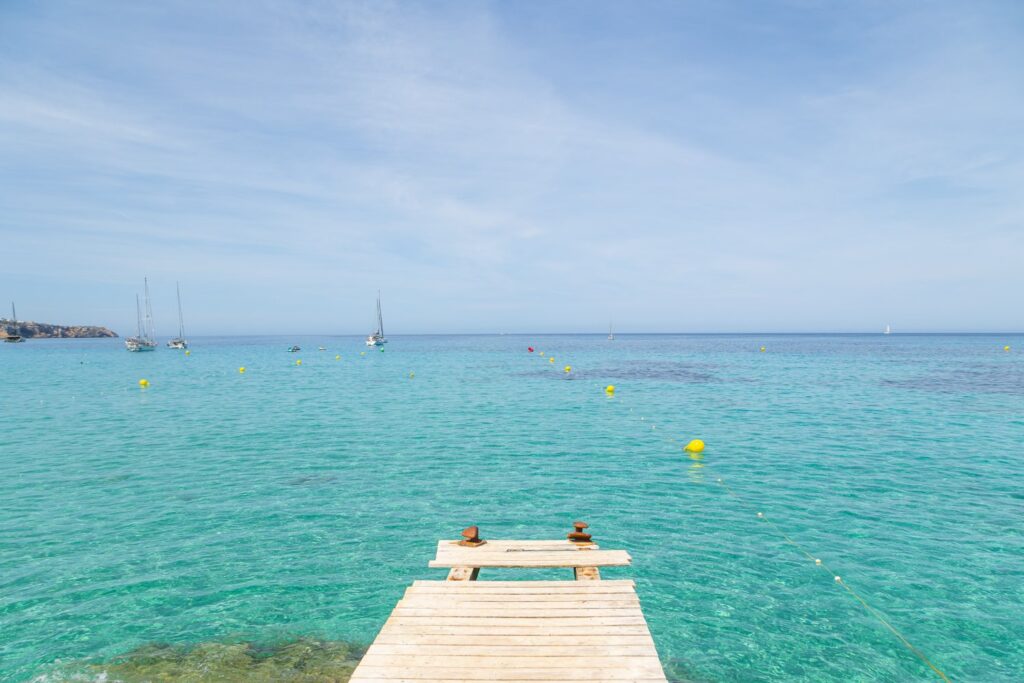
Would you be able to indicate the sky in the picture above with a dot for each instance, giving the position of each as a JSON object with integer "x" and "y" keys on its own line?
{"x": 525, "y": 166}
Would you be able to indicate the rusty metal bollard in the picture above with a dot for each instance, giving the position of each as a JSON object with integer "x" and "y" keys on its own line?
{"x": 580, "y": 537}
{"x": 471, "y": 537}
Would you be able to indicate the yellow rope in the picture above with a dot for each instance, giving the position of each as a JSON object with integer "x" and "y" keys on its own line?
{"x": 838, "y": 579}
{"x": 817, "y": 562}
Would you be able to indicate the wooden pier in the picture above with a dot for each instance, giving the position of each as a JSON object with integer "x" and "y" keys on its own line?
{"x": 463, "y": 629}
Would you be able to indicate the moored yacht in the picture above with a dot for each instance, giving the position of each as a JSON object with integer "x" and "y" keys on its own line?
{"x": 144, "y": 338}
{"x": 179, "y": 342}
{"x": 12, "y": 335}
{"x": 377, "y": 338}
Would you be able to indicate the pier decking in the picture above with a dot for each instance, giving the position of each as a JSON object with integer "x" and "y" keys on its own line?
{"x": 462, "y": 629}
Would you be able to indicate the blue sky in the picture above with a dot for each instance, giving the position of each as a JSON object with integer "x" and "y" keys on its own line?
{"x": 518, "y": 166}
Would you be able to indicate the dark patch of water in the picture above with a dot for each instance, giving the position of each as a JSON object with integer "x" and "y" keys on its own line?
{"x": 297, "y": 661}
{"x": 313, "y": 480}
{"x": 659, "y": 370}
{"x": 976, "y": 380}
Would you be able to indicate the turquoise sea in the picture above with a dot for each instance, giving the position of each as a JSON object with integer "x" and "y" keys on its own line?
{"x": 261, "y": 526}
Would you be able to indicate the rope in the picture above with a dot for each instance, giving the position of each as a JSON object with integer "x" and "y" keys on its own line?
{"x": 837, "y": 579}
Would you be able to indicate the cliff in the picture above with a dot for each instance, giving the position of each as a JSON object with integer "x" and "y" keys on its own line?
{"x": 31, "y": 330}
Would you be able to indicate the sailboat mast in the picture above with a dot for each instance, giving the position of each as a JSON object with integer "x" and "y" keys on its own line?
{"x": 138, "y": 318}
{"x": 14, "y": 316}
{"x": 149, "y": 312}
{"x": 380, "y": 317}
{"x": 181, "y": 321}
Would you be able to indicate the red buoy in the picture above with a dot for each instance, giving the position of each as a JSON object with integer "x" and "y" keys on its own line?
{"x": 530, "y": 349}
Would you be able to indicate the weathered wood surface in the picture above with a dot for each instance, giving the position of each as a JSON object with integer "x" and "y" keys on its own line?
{"x": 527, "y": 554}
{"x": 514, "y": 631}
{"x": 463, "y": 573}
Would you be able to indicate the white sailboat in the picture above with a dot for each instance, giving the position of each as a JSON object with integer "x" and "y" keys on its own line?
{"x": 888, "y": 330}
{"x": 144, "y": 339}
{"x": 611, "y": 337}
{"x": 179, "y": 342}
{"x": 12, "y": 335}
{"x": 377, "y": 338}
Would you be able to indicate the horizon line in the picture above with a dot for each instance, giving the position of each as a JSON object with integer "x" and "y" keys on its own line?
{"x": 588, "y": 334}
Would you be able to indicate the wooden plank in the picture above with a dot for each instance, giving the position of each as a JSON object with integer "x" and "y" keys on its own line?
{"x": 645, "y": 662}
{"x": 587, "y": 573}
{"x": 489, "y": 550}
{"x": 523, "y": 594}
{"x": 574, "y": 588}
{"x": 528, "y": 553}
{"x": 594, "y": 558}
{"x": 520, "y": 552}
{"x": 399, "y": 637}
{"x": 538, "y": 602}
{"x": 543, "y": 648}
{"x": 636, "y": 679}
{"x": 463, "y": 574}
{"x": 482, "y": 601}
{"x": 558, "y": 584}
{"x": 546, "y": 544}
{"x": 474, "y": 556}
{"x": 490, "y": 599}
{"x": 470, "y": 596}
{"x": 426, "y": 627}
{"x": 514, "y": 610}
{"x": 529, "y": 585}
{"x": 560, "y": 622}
{"x": 620, "y": 673}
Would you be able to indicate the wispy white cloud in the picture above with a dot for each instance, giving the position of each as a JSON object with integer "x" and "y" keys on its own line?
{"x": 475, "y": 156}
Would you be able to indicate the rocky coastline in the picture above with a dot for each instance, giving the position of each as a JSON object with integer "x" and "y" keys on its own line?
{"x": 34, "y": 330}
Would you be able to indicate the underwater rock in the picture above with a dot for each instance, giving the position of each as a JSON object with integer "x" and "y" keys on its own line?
{"x": 298, "y": 661}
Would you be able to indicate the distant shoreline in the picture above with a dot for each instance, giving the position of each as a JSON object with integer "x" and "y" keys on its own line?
{"x": 34, "y": 330}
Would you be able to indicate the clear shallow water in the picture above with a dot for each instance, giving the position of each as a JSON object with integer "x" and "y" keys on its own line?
{"x": 222, "y": 513}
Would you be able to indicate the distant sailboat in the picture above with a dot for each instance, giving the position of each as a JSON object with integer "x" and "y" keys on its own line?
{"x": 12, "y": 336}
{"x": 377, "y": 338}
{"x": 611, "y": 337}
{"x": 888, "y": 330}
{"x": 180, "y": 342}
{"x": 144, "y": 339}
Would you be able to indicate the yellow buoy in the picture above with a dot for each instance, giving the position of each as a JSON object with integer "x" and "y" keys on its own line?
{"x": 695, "y": 446}
{"x": 143, "y": 383}
{"x": 362, "y": 353}
{"x": 1006, "y": 348}
{"x": 411, "y": 375}
{"x": 610, "y": 389}
{"x": 551, "y": 359}
{"x": 242, "y": 370}
{"x": 298, "y": 362}
{"x": 542, "y": 353}
{"x": 337, "y": 358}
{"x": 188, "y": 353}
{"x": 762, "y": 349}
{"x": 568, "y": 368}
